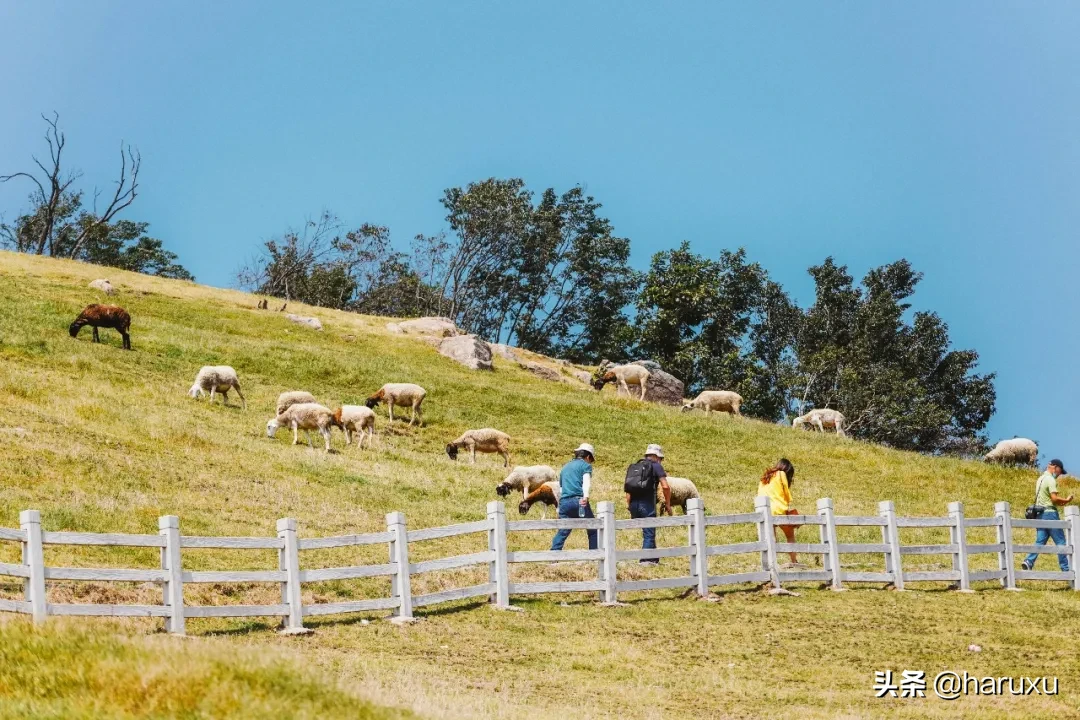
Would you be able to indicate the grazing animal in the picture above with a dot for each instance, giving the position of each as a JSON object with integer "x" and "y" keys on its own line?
{"x": 293, "y": 397}
{"x": 624, "y": 375}
{"x": 547, "y": 494}
{"x": 355, "y": 418}
{"x": 681, "y": 491}
{"x": 282, "y": 308}
{"x": 263, "y": 304}
{"x": 306, "y": 417}
{"x": 718, "y": 400}
{"x": 401, "y": 395}
{"x": 217, "y": 379}
{"x": 103, "y": 285}
{"x": 485, "y": 440}
{"x": 821, "y": 418}
{"x": 525, "y": 478}
{"x": 103, "y": 316}
{"x": 1018, "y": 451}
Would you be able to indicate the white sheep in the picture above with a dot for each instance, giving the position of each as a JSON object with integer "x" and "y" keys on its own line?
{"x": 293, "y": 397}
{"x": 547, "y": 494}
{"x": 485, "y": 440}
{"x": 1018, "y": 451}
{"x": 357, "y": 419}
{"x": 682, "y": 490}
{"x": 103, "y": 285}
{"x": 306, "y": 417}
{"x": 821, "y": 418}
{"x": 718, "y": 400}
{"x": 624, "y": 375}
{"x": 526, "y": 478}
{"x": 217, "y": 378}
{"x": 402, "y": 395}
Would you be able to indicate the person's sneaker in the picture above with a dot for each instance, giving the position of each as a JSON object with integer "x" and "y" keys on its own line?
{"x": 1024, "y": 565}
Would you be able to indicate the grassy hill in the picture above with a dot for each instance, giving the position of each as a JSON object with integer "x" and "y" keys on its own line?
{"x": 100, "y": 439}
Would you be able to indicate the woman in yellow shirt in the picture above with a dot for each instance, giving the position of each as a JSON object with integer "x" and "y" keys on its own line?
{"x": 776, "y": 485}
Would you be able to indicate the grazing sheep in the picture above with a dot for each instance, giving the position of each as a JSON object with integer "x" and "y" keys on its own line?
{"x": 525, "y": 478}
{"x": 624, "y": 375}
{"x": 402, "y": 395}
{"x": 547, "y": 494}
{"x": 103, "y": 316}
{"x": 293, "y": 397}
{"x": 357, "y": 419}
{"x": 821, "y": 419}
{"x": 1018, "y": 451}
{"x": 103, "y": 285}
{"x": 718, "y": 400}
{"x": 486, "y": 440}
{"x": 263, "y": 304}
{"x": 306, "y": 417}
{"x": 217, "y": 378}
{"x": 681, "y": 491}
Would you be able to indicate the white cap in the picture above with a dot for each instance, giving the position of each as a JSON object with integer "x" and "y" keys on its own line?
{"x": 654, "y": 450}
{"x": 587, "y": 448}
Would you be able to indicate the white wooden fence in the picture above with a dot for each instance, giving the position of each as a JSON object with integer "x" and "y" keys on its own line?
{"x": 499, "y": 588}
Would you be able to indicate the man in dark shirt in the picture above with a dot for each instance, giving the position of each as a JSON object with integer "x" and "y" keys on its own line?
{"x": 644, "y": 505}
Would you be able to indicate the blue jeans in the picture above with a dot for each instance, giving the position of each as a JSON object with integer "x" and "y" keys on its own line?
{"x": 645, "y": 508}
{"x": 1042, "y": 535}
{"x": 571, "y": 507}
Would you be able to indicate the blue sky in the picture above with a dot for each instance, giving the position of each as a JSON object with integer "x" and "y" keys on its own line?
{"x": 940, "y": 132}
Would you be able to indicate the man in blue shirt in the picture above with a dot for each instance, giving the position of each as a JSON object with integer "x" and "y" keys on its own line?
{"x": 574, "y": 480}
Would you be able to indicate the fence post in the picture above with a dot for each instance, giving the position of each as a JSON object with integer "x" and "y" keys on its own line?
{"x": 399, "y": 553}
{"x": 765, "y": 535}
{"x": 1003, "y": 511}
{"x": 699, "y": 562}
{"x": 608, "y": 568}
{"x": 959, "y": 536}
{"x": 891, "y": 535}
{"x": 294, "y": 623}
{"x": 1072, "y": 514}
{"x": 825, "y": 509}
{"x": 173, "y": 591}
{"x": 34, "y": 559}
{"x": 498, "y": 571}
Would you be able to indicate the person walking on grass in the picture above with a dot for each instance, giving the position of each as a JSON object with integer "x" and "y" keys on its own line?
{"x": 776, "y": 484}
{"x": 574, "y": 481}
{"x": 642, "y": 479}
{"x": 1047, "y": 498}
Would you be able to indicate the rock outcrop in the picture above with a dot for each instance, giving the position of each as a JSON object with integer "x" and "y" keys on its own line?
{"x": 311, "y": 322}
{"x": 469, "y": 350}
{"x": 664, "y": 388}
{"x": 433, "y": 326}
{"x": 541, "y": 371}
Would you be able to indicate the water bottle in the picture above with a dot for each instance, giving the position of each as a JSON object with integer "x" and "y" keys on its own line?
{"x": 581, "y": 510}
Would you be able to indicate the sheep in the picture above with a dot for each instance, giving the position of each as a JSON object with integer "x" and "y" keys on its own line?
{"x": 526, "y": 478}
{"x": 103, "y": 285}
{"x": 1018, "y": 451}
{"x": 486, "y": 440}
{"x": 719, "y": 400}
{"x": 681, "y": 491}
{"x": 103, "y": 316}
{"x": 306, "y": 417}
{"x": 821, "y": 418}
{"x": 547, "y": 494}
{"x": 355, "y": 418}
{"x": 402, "y": 395}
{"x": 625, "y": 375}
{"x": 217, "y": 378}
{"x": 293, "y": 397}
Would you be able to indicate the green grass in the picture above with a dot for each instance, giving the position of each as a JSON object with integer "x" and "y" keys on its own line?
{"x": 100, "y": 439}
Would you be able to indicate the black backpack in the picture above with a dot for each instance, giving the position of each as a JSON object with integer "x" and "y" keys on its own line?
{"x": 640, "y": 479}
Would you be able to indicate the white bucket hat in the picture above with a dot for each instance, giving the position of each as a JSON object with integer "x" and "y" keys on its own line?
{"x": 587, "y": 448}
{"x": 654, "y": 450}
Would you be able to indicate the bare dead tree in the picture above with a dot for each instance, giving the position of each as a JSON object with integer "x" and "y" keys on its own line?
{"x": 47, "y": 201}
{"x": 125, "y": 194}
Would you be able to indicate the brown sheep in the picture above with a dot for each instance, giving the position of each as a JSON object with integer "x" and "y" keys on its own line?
{"x": 547, "y": 494}
{"x": 103, "y": 316}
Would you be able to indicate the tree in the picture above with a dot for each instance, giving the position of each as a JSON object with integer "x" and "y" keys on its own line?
{"x": 720, "y": 324}
{"x": 898, "y": 382}
{"x": 59, "y": 225}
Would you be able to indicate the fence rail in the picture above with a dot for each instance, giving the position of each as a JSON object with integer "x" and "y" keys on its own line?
{"x": 171, "y": 576}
